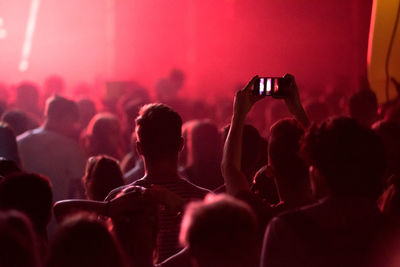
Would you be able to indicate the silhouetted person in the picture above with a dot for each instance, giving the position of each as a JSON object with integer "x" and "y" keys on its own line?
{"x": 103, "y": 136}
{"x": 159, "y": 140}
{"x": 102, "y": 175}
{"x": 32, "y": 195}
{"x": 204, "y": 152}
{"x": 347, "y": 164}
{"x": 363, "y": 107}
{"x": 51, "y": 151}
{"x": 18, "y": 242}
{"x": 83, "y": 241}
{"x": 221, "y": 231}
{"x": 289, "y": 171}
{"x": 18, "y": 121}
{"x": 8, "y": 144}
{"x": 87, "y": 110}
{"x": 27, "y": 99}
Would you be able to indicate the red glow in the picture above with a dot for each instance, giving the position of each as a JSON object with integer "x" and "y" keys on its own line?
{"x": 217, "y": 43}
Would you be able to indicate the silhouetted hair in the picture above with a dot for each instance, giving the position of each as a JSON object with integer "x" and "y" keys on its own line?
{"x": 103, "y": 135}
{"x": 349, "y": 156}
{"x": 103, "y": 174}
{"x": 18, "y": 244}
{"x": 83, "y": 241}
{"x": 221, "y": 231}
{"x": 8, "y": 143}
{"x": 29, "y": 193}
{"x": 158, "y": 128}
{"x": 17, "y": 120}
{"x": 58, "y": 108}
{"x": 204, "y": 143}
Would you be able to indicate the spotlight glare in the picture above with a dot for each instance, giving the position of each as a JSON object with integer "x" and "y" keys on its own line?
{"x": 30, "y": 29}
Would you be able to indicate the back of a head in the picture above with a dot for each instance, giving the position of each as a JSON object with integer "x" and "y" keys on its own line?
{"x": 204, "y": 143}
{"x": 17, "y": 120}
{"x": 221, "y": 231}
{"x": 18, "y": 244}
{"x": 102, "y": 175}
{"x": 159, "y": 131}
{"x": 104, "y": 133}
{"x": 8, "y": 143}
{"x": 61, "y": 109}
{"x": 29, "y": 193}
{"x": 102, "y": 125}
{"x": 363, "y": 106}
{"x": 83, "y": 241}
{"x": 283, "y": 152}
{"x": 350, "y": 157}
{"x": 27, "y": 95}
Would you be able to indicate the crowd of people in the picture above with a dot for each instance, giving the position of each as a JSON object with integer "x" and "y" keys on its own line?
{"x": 140, "y": 181}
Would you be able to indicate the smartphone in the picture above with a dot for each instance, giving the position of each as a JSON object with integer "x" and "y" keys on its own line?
{"x": 276, "y": 87}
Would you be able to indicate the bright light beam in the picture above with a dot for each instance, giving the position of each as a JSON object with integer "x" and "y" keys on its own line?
{"x": 30, "y": 29}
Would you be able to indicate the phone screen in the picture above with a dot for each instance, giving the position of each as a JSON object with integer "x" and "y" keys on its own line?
{"x": 269, "y": 82}
{"x": 262, "y": 86}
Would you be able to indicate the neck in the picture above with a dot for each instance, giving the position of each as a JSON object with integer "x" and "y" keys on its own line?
{"x": 162, "y": 169}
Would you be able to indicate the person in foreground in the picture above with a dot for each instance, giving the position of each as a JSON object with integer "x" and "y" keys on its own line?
{"x": 159, "y": 141}
{"x": 220, "y": 231}
{"x": 347, "y": 163}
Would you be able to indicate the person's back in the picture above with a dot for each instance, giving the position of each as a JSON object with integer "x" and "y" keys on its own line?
{"x": 50, "y": 151}
{"x": 32, "y": 195}
{"x": 158, "y": 130}
{"x": 347, "y": 165}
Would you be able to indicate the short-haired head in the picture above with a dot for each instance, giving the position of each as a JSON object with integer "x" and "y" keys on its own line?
{"x": 351, "y": 158}
{"x": 159, "y": 132}
{"x": 59, "y": 108}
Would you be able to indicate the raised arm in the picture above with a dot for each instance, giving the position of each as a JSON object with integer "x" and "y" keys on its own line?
{"x": 235, "y": 179}
{"x": 293, "y": 103}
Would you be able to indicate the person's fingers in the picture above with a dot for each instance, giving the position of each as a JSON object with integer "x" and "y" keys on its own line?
{"x": 251, "y": 83}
